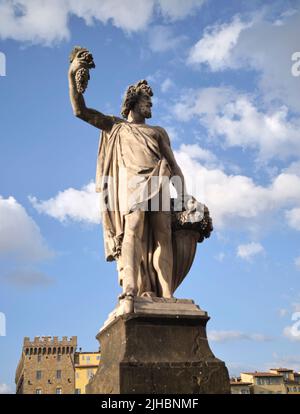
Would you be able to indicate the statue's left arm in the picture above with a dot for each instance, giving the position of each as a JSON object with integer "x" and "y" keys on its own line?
{"x": 166, "y": 150}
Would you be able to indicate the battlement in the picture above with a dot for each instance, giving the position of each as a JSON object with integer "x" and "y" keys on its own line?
{"x": 49, "y": 345}
{"x": 49, "y": 340}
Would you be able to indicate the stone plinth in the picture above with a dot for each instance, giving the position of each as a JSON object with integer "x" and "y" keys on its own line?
{"x": 160, "y": 348}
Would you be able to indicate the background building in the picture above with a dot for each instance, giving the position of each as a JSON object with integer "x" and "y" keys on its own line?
{"x": 86, "y": 364}
{"x": 46, "y": 366}
{"x": 237, "y": 386}
{"x": 52, "y": 366}
{"x": 264, "y": 382}
{"x": 291, "y": 379}
{"x": 276, "y": 381}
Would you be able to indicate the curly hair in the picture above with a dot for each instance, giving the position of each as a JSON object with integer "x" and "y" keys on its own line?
{"x": 133, "y": 94}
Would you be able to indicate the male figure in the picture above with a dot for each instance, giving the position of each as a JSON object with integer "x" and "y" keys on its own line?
{"x": 139, "y": 240}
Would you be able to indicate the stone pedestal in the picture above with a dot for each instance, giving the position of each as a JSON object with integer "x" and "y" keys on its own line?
{"x": 160, "y": 348}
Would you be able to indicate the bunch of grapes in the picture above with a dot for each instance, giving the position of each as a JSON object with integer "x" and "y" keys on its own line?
{"x": 82, "y": 77}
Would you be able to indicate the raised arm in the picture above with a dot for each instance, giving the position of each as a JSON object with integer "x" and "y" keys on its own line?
{"x": 82, "y": 60}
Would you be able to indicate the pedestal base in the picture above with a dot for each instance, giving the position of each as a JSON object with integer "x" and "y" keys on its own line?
{"x": 160, "y": 348}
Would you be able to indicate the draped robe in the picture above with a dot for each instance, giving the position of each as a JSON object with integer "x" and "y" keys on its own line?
{"x": 131, "y": 171}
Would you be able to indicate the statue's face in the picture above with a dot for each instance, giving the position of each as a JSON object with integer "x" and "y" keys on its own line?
{"x": 143, "y": 106}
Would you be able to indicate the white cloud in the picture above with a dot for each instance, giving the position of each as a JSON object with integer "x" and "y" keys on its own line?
{"x": 198, "y": 153}
{"x": 220, "y": 257}
{"x": 129, "y": 15}
{"x": 297, "y": 262}
{"x": 282, "y": 312}
{"x": 34, "y": 21}
{"x": 236, "y": 201}
{"x": 215, "y": 47}
{"x": 166, "y": 85}
{"x": 20, "y": 236}
{"x": 293, "y": 218}
{"x": 247, "y": 251}
{"x": 227, "y": 336}
{"x": 262, "y": 45}
{"x": 292, "y": 332}
{"x": 235, "y": 118}
{"x": 162, "y": 38}
{"x": 5, "y": 389}
{"x": 27, "y": 278}
{"x": 47, "y": 22}
{"x": 178, "y": 9}
{"x": 78, "y": 205}
{"x": 296, "y": 306}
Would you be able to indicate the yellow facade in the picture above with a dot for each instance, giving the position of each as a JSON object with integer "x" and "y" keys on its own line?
{"x": 265, "y": 382}
{"x": 86, "y": 365}
{"x": 239, "y": 387}
{"x": 291, "y": 379}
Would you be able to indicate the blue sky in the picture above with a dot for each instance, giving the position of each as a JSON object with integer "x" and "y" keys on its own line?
{"x": 225, "y": 91}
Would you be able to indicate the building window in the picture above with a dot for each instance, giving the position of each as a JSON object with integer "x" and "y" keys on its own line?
{"x": 39, "y": 358}
{"x": 77, "y": 375}
{"x": 58, "y": 391}
{"x": 58, "y": 374}
{"x": 88, "y": 358}
{"x": 77, "y": 391}
{"x": 38, "y": 391}
{"x": 295, "y": 389}
{"x": 58, "y": 357}
{"x": 98, "y": 358}
{"x": 38, "y": 375}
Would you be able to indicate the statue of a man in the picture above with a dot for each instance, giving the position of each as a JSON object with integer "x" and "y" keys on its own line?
{"x": 137, "y": 236}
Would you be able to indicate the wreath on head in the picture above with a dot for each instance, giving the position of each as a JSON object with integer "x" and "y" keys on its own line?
{"x": 132, "y": 95}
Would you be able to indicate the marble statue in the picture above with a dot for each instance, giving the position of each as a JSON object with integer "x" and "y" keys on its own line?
{"x": 151, "y": 236}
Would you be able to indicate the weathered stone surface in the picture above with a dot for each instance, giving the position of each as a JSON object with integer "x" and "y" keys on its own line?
{"x": 158, "y": 353}
{"x": 152, "y": 237}
{"x": 156, "y": 306}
